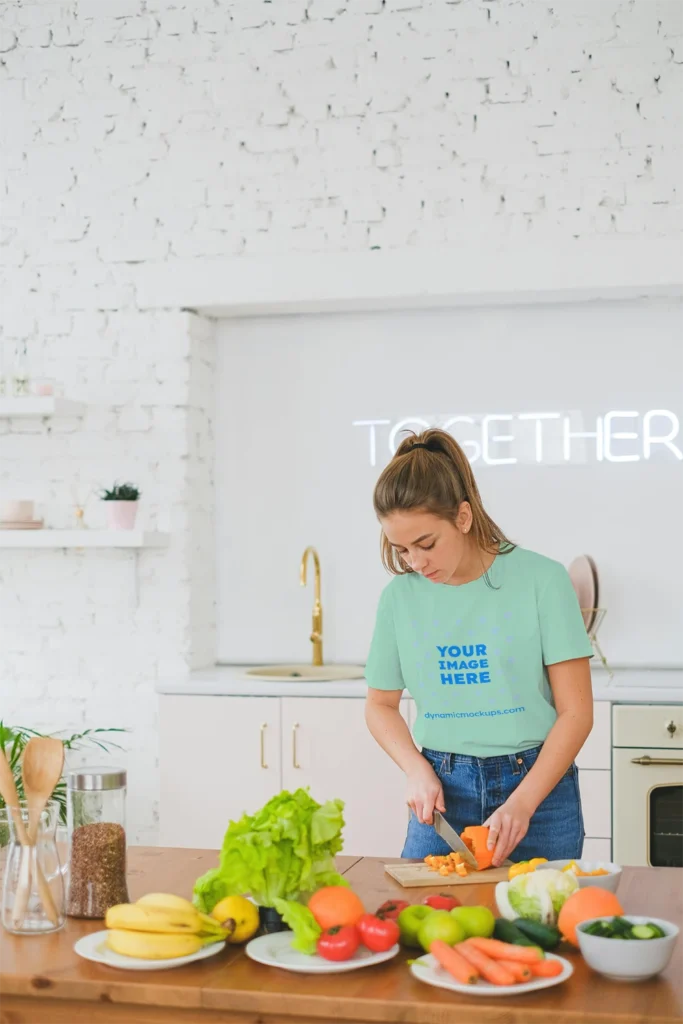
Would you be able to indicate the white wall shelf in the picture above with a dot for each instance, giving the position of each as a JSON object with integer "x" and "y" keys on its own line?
{"x": 82, "y": 539}
{"x": 38, "y": 407}
{"x": 413, "y": 278}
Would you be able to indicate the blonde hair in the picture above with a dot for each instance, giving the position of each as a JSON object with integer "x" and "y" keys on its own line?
{"x": 435, "y": 477}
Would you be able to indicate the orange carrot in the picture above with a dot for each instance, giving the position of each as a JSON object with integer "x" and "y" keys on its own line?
{"x": 491, "y": 970}
{"x": 520, "y": 972}
{"x": 546, "y": 969}
{"x": 456, "y": 965}
{"x": 506, "y": 951}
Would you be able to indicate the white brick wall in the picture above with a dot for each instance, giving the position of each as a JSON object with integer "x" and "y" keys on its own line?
{"x": 84, "y": 635}
{"x": 152, "y": 130}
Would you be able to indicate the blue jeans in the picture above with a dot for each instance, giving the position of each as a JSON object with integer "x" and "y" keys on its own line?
{"x": 474, "y": 787}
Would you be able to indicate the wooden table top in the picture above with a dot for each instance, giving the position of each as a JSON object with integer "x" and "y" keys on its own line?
{"x": 42, "y": 980}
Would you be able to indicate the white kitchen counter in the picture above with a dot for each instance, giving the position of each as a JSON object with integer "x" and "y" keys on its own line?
{"x": 629, "y": 685}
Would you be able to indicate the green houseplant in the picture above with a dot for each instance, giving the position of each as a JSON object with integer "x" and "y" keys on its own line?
{"x": 13, "y": 739}
{"x": 121, "y": 505}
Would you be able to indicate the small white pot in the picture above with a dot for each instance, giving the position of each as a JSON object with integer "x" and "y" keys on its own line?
{"x": 121, "y": 515}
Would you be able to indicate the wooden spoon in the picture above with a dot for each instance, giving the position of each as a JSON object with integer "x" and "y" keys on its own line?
{"x": 9, "y": 794}
{"x": 41, "y": 767}
{"x": 11, "y": 798}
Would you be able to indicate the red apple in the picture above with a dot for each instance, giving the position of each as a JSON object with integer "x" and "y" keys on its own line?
{"x": 441, "y": 902}
{"x": 390, "y": 909}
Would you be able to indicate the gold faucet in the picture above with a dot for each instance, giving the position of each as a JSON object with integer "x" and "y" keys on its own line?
{"x": 317, "y": 629}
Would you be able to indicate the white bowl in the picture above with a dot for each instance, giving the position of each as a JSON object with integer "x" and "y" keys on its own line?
{"x": 609, "y": 882}
{"x": 628, "y": 959}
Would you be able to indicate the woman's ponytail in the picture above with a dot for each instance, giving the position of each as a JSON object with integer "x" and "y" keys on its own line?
{"x": 430, "y": 472}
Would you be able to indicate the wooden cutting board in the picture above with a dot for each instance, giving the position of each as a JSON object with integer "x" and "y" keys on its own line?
{"x": 412, "y": 875}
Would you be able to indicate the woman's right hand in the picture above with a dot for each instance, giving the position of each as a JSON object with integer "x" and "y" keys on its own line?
{"x": 425, "y": 793}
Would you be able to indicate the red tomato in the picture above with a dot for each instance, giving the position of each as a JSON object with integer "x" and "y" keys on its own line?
{"x": 441, "y": 902}
{"x": 390, "y": 909}
{"x": 378, "y": 934}
{"x": 339, "y": 943}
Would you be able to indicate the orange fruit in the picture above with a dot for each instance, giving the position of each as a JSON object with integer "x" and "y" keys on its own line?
{"x": 335, "y": 905}
{"x": 584, "y": 904}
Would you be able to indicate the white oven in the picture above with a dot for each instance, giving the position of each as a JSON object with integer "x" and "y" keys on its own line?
{"x": 647, "y": 774}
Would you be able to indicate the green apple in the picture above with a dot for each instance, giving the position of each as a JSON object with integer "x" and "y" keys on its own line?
{"x": 409, "y": 921}
{"x": 440, "y": 925}
{"x": 477, "y": 921}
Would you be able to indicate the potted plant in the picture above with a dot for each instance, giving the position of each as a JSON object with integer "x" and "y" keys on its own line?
{"x": 122, "y": 506}
{"x": 13, "y": 739}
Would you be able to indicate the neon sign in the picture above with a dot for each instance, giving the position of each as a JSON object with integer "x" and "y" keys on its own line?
{"x": 499, "y": 439}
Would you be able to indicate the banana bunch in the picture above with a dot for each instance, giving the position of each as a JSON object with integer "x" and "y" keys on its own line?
{"x": 161, "y": 926}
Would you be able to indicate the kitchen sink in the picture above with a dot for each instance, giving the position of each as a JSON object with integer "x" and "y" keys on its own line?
{"x": 306, "y": 673}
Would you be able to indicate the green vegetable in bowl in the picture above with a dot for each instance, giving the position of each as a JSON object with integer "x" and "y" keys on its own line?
{"x": 282, "y": 852}
{"x": 619, "y": 928}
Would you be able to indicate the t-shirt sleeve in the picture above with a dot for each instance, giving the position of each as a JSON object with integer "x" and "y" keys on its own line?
{"x": 383, "y": 668}
{"x": 563, "y": 631}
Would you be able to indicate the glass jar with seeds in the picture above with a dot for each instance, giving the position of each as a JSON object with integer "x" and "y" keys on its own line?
{"x": 96, "y": 812}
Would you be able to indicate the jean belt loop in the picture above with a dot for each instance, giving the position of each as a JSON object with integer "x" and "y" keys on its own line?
{"x": 515, "y": 764}
{"x": 449, "y": 763}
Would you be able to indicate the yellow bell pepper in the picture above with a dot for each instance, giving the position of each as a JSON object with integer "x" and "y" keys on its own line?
{"x": 525, "y": 867}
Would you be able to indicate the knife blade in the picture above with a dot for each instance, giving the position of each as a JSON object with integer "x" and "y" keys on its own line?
{"x": 453, "y": 839}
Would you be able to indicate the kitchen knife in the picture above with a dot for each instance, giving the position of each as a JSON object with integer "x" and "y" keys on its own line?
{"x": 453, "y": 839}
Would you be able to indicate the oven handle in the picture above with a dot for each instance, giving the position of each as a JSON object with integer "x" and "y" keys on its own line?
{"x": 656, "y": 760}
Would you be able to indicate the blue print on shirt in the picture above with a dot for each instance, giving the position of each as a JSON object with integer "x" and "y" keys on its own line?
{"x": 460, "y": 665}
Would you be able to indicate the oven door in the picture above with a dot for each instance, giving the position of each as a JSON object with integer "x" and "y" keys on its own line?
{"x": 648, "y": 807}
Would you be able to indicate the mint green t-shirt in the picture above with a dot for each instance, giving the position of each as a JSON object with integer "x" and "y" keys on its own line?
{"x": 474, "y": 656}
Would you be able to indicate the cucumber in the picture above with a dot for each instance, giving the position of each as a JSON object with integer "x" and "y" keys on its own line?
{"x": 506, "y": 931}
{"x": 646, "y": 931}
{"x": 621, "y": 929}
{"x": 540, "y": 934}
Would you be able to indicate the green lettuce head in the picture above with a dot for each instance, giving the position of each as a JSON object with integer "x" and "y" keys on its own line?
{"x": 285, "y": 852}
{"x": 540, "y": 895}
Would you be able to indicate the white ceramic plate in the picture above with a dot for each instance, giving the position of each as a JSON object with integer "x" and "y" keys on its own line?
{"x": 427, "y": 969}
{"x": 584, "y": 577}
{"x": 93, "y": 947}
{"x": 276, "y": 951}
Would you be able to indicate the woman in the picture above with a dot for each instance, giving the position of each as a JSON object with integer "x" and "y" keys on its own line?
{"x": 488, "y": 639}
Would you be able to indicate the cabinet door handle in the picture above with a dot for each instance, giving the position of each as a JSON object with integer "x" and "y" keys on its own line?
{"x": 656, "y": 760}
{"x": 295, "y": 761}
{"x": 264, "y": 726}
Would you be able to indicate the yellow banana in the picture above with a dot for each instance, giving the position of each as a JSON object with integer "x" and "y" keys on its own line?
{"x": 166, "y": 900}
{"x": 133, "y": 917}
{"x": 169, "y": 902}
{"x": 151, "y": 946}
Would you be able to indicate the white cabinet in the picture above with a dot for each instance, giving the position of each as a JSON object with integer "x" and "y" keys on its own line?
{"x": 596, "y": 800}
{"x": 595, "y": 782}
{"x": 597, "y": 750}
{"x": 327, "y": 746}
{"x": 597, "y": 849}
{"x": 220, "y": 757}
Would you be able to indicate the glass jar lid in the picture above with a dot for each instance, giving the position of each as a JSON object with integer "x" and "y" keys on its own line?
{"x": 87, "y": 780}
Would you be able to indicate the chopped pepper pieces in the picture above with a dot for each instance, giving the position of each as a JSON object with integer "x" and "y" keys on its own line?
{"x": 576, "y": 870}
{"x": 450, "y": 864}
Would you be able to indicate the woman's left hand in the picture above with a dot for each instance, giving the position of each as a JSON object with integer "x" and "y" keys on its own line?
{"x": 507, "y": 827}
